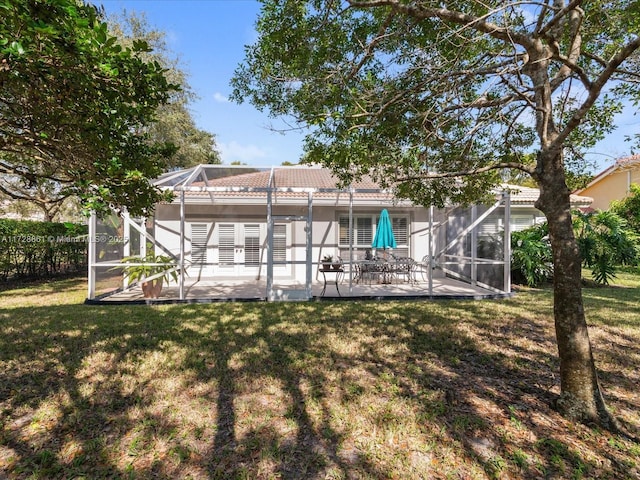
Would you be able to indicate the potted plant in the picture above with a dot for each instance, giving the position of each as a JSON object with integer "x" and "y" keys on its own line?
{"x": 327, "y": 261}
{"x": 151, "y": 265}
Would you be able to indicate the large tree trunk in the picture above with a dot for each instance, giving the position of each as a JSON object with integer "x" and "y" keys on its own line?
{"x": 580, "y": 398}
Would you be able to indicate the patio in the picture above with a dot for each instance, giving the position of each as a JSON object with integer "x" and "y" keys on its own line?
{"x": 260, "y": 234}
{"x": 215, "y": 290}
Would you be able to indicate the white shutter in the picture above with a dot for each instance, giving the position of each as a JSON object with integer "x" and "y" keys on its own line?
{"x": 280, "y": 243}
{"x": 364, "y": 232}
{"x": 251, "y": 245}
{"x": 199, "y": 243}
{"x": 400, "y": 230}
{"x": 226, "y": 244}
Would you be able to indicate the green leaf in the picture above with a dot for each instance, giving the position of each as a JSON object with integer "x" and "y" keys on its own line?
{"x": 16, "y": 47}
{"x": 141, "y": 46}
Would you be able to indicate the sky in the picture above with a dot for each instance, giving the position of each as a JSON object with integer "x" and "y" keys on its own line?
{"x": 209, "y": 37}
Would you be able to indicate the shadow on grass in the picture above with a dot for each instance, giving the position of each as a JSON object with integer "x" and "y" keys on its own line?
{"x": 310, "y": 390}
{"x": 61, "y": 283}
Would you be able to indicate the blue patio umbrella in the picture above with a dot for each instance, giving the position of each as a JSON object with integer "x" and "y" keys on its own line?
{"x": 384, "y": 233}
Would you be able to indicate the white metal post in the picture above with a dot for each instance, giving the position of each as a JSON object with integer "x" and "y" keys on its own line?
{"x": 91, "y": 253}
{"x": 309, "y": 239}
{"x": 507, "y": 241}
{"x": 143, "y": 239}
{"x": 474, "y": 246}
{"x": 350, "y": 240}
{"x": 270, "y": 294}
{"x": 182, "y": 232}
{"x": 431, "y": 263}
{"x": 126, "y": 231}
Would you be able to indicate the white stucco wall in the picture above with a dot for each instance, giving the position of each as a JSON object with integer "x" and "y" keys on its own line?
{"x": 324, "y": 232}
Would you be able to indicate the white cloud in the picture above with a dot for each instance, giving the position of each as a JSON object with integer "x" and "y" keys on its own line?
{"x": 218, "y": 97}
{"x": 235, "y": 152}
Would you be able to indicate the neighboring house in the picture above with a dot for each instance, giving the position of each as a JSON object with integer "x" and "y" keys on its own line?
{"x": 613, "y": 183}
{"x": 523, "y": 212}
{"x": 275, "y": 225}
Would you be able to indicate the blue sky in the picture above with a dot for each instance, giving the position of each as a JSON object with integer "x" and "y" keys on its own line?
{"x": 209, "y": 37}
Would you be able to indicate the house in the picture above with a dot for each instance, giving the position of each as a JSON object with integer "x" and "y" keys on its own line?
{"x": 613, "y": 183}
{"x": 231, "y": 227}
{"x": 523, "y": 211}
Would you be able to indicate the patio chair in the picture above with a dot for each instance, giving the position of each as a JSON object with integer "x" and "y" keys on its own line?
{"x": 371, "y": 268}
{"x": 403, "y": 268}
{"x": 422, "y": 267}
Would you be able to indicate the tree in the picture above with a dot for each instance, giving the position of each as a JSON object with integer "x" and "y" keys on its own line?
{"x": 174, "y": 123}
{"x": 45, "y": 195}
{"x": 76, "y": 106}
{"x": 436, "y": 98}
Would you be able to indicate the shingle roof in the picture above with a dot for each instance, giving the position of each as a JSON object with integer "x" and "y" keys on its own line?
{"x": 305, "y": 177}
{"x": 527, "y": 196}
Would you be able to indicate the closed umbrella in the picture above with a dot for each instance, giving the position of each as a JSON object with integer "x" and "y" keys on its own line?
{"x": 384, "y": 233}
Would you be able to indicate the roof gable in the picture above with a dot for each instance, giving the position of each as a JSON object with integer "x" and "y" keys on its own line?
{"x": 622, "y": 164}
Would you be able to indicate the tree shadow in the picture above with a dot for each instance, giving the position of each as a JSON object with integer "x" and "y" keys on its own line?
{"x": 314, "y": 390}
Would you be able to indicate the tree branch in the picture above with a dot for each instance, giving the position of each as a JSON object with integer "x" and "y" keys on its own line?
{"x": 422, "y": 13}
{"x": 559, "y": 16}
{"x": 569, "y": 63}
{"x": 594, "y": 92}
{"x": 466, "y": 173}
{"x": 368, "y": 50}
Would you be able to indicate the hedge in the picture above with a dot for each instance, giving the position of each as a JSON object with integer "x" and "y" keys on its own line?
{"x": 31, "y": 249}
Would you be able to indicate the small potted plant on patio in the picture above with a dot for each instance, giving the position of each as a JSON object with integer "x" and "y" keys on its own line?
{"x": 327, "y": 261}
{"x": 140, "y": 268}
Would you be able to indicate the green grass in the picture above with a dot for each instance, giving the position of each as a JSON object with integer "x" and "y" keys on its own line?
{"x": 406, "y": 390}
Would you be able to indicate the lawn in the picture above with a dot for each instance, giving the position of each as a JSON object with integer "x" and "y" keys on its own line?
{"x": 371, "y": 390}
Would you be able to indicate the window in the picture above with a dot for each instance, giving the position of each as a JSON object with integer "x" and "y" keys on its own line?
{"x": 252, "y": 245}
{"x": 199, "y": 243}
{"x": 226, "y": 244}
{"x": 279, "y": 243}
{"x": 521, "y": 222}
{"x": 364, "y": 231}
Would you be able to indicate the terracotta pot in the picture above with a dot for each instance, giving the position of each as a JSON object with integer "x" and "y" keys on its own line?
{"x": 152, "y": 289}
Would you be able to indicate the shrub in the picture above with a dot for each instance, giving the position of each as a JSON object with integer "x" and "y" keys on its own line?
{"x": 605, "y": 242}
{"x": 31, "y": 249}
{"x": 531, "y": 259}
{"x": 629, "y": 208}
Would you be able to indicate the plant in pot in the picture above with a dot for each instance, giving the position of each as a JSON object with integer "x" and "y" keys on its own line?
{"x": 161, "y": 267}
{"x": 327, "y": 261}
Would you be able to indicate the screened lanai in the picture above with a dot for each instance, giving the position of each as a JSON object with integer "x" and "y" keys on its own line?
{"x": 244, "y": 233}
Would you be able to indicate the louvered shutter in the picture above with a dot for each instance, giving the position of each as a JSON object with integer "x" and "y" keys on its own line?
{"x": 251, "y": 245}
{"x": 199, "y": 243}
{"x": 226, "y": 244}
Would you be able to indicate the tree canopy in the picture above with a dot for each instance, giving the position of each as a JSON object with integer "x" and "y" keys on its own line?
{"x": 76, "y": 105}
{"x": 436, "y": 99}
{"x": 437, "y": 89}
{"x": 174, "y": 122}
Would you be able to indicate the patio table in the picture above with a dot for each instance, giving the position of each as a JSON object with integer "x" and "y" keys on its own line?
{"x": 338, "y": 272}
